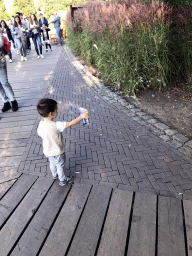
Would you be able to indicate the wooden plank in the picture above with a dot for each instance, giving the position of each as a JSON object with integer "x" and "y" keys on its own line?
{"x": 36, "y": 232}
{"x": 187, "y": 204}
{"x": 10, "y": 161}
{"x": 9, "y": 175}
{"x": 5, "y": 186}
{"x": 24, "y": 212}
{"x": 113, "y": 240}
{"x": 14, "y": 196}
{"x": 87, "y": 234}
{"x": 143, "y": 225}
{"x": 170, "y": 227}
{"x": 62, "y": 231}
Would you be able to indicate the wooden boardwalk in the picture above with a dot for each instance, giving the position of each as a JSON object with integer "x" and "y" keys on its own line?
{"x": 38, "y": 217}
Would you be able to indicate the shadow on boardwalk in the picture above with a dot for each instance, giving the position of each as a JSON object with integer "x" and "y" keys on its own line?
{"x": 112, "y": 157}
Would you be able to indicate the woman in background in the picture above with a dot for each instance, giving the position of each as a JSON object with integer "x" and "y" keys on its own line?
{"x": 7, "y": 33}
{"x": 19, "y": 30}
{"x": 6, "y": 91}
{"x": 34, "y": 26}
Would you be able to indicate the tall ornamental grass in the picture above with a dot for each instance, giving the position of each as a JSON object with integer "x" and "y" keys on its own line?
{"x": 134, "y": 45}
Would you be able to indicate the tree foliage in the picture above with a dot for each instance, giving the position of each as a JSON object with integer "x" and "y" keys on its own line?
{"x": 3, "y": 13}
{"x": 50, "y": 6}
{"x": 23, "y": 6}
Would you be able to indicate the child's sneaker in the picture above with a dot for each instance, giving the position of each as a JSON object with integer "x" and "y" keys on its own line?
{"x": 51, "y": 50}
{"x": 68, "y": 179}
{"x": 46, "y": 50}
{"x": 55, "y": 177}
{"x": 62, "y": 183}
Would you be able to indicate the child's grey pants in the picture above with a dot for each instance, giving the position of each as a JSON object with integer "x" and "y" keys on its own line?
{"x": 57, "y": 164}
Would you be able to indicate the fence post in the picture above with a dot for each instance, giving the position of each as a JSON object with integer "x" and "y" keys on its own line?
{"x": 72, "y": 12}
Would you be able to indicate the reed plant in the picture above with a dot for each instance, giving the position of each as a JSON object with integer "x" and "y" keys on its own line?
{"x": 134, "y": 45}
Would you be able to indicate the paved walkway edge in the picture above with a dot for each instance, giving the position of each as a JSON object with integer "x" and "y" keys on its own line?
{"x": 172, "y": 137}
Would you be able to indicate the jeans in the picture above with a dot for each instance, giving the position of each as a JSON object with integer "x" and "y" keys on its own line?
{"x": 21, "y": 44}
{"x": 46, "y": 45}
{"x": 57, "y": 164}
{"x": 6, "y": 91}
{"x": 28, "y": 44}
{"x": 10, "y": 55}
{"x": 36, "y": 38}
{"x": 58, "y": 34}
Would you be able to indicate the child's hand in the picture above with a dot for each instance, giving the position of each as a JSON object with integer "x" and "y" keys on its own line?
{"x": 85, "y": 115}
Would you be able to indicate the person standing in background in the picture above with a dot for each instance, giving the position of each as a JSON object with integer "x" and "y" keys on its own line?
{"x": 42, "y": 21}
{"x": 57, "y": 23}
{"x": 45, "y": 34}
{"x": 27, "y": 40}
{"x": 6, "y": 91}
{"x": 34, "y": 26}
{"x": 19, "y": 29}
{"x": 7, "y": 33}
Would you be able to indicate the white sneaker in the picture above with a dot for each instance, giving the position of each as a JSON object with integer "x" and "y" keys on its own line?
{"x": 25, "y": 59}
{"x": 42, "y": 56}
{"x": 10, "y": 61}
{"x": 17, "y": 52}
{"x": 21, "y": 58}
{"x": 38, "y": 56}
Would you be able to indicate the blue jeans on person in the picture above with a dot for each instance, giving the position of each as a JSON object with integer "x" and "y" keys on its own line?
{"x": 10, "y": 55}
{"x": 13, "y": 35}
{"x": 36, "y": 38}
{"x": 6, "y": 91}
{"x": 58, "y": 34}
{"x": 21, "y": 46}
{"x": 57, "y": 164}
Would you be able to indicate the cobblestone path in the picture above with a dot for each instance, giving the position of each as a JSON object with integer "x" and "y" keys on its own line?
{"x": 113, "y": 150}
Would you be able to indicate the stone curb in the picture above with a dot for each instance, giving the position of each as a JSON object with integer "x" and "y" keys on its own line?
{"x": 172, "y": 137}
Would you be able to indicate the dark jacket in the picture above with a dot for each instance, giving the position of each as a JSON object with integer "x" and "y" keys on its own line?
{"x": 47, "y": 30}
{"x": 9, "y": 35}
{"x": 44, "y": 22}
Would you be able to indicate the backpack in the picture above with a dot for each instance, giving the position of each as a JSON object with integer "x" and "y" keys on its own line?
{"x": 7, "y": 46}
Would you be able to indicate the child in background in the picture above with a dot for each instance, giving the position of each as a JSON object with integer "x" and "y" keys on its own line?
{"x": 51, "y": 134}
{"x": 45, "y": 33}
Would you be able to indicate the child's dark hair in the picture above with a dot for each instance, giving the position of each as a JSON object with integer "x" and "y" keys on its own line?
{"x": 46, "y": 106}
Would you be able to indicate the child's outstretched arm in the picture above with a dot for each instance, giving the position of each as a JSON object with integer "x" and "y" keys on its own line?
{"x": 78, "y": 119}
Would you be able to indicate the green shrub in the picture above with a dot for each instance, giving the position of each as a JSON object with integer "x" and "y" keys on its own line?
{"x": 148, "y": 54}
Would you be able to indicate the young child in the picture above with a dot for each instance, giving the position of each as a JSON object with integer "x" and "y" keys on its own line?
{"x": 45, "y": 33}
{"x": 51, "y": 134}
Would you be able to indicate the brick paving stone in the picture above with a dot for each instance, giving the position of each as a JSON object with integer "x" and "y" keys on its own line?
{"x": 186, "y": 151}
{"x": 147, "y": 183}
{"x": 162, "y": 184}
{"x": 181, "y": 138}
{"x": 170, "y": 132}
{"x": 124, "y": 179}
{"x": 161, "y": 126}
{"x": 118, "y": 179}
{"x": 152, "y": 121}
{"x": 141, "y": 185}
{"x": 158, "y": 132}
{"x": 165, "y": 137}
{"x": 189, "y": 143}
{"x": 111, "y": 179}
{"x": 115, "y": 150}
{"x": 175, "y": 144}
